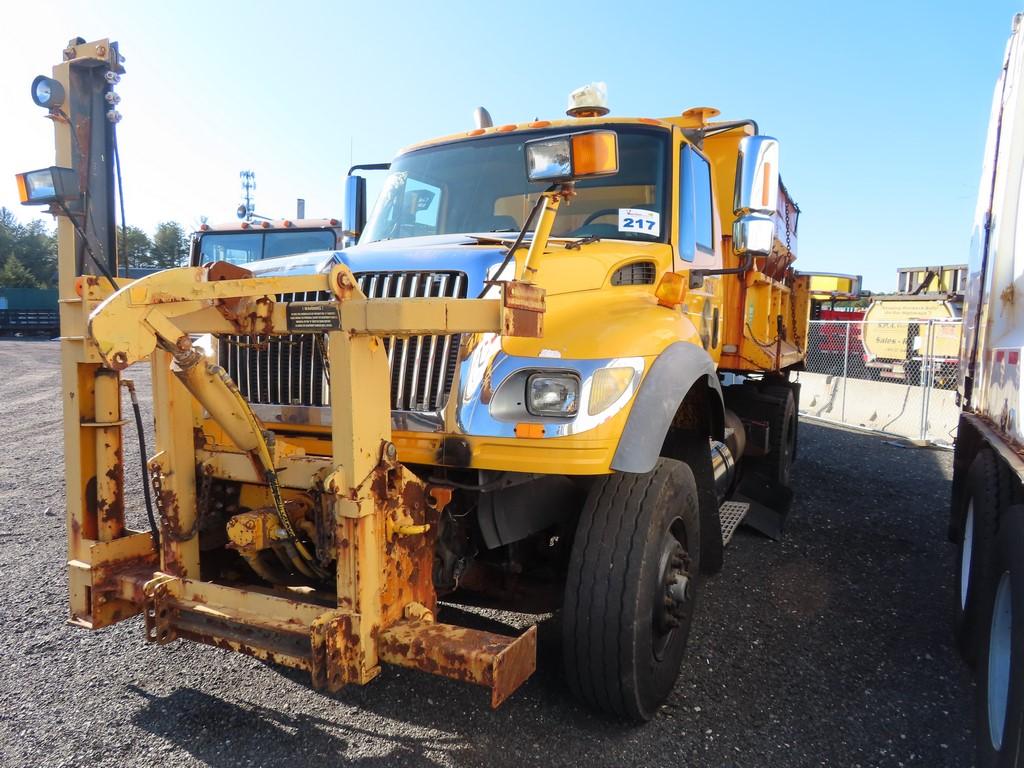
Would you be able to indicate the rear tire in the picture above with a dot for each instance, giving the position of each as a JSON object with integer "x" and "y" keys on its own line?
{"x": 987, "y": 495}
{"x": 781, "y": 417}
{"x": 999, "y": 728}
{"x": 631, "y": 589}
{"x": 773, "y": 402}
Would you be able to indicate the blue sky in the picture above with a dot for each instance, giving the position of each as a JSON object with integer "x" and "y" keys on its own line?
{"x": 881, "y": 107}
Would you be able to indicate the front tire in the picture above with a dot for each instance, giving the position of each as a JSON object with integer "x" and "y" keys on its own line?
{"x": 631, "y": 589}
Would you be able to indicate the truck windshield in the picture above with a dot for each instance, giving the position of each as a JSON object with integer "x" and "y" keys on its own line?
{"x": 480, "y": 185}
{"x": 243, "y": 247}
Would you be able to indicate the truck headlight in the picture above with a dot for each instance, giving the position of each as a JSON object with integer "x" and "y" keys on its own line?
{"x": 553, "y": 394}
{"x": 607, "y": 387}
{"x": 557, "y": 159}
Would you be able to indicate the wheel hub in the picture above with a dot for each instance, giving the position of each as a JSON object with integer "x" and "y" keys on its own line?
{"x": 675, "y": 588}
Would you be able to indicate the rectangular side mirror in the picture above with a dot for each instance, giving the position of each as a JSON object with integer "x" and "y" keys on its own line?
{"x": 355, "y": 209}
{"x": 757, "y": 176}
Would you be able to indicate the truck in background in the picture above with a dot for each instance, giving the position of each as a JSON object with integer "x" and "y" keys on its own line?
{"x": 248, "y": 241}
{"x": 986, "y": 514}
{"x": 258, "y": 238}
{"x": 834, "y": 343}
{"x": 29, "y": 312}
{"x": 917, "y": 325}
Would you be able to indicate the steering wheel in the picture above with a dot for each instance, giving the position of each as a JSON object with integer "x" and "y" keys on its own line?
{"x": 598, "y": 214}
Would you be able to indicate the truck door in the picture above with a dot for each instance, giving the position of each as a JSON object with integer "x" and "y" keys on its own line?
{"x": 697, "y": 246}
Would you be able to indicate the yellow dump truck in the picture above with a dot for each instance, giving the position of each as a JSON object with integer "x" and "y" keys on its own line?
{"x": 552, "y": 375}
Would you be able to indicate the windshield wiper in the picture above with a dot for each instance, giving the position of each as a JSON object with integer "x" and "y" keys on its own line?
{"x": 484, "y": 240}
{"x": 575, "y": 245}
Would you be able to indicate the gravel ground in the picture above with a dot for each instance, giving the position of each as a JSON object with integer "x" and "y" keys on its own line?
{"x": 831, "y": 647}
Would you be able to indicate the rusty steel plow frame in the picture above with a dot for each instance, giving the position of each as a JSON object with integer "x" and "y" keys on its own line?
{"x": 380, "y": 519}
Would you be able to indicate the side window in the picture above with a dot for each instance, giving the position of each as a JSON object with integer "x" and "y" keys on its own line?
{"x": 702, "y": 202}
{"x": 695, "y": 220}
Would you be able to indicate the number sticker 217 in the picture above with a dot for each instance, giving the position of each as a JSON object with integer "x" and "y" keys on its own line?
{"x": 639, "y": 220}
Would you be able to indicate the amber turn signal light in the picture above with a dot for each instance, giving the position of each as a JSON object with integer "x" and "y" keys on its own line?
{"x": 671, "y": 290}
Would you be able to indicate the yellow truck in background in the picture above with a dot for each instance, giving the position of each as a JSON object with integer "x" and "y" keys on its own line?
{"x": 553, "y": 374}
{"x": 241, "y": 242}
{"x": 914, "y": 334}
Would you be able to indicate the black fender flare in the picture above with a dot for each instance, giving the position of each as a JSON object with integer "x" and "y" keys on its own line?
{"x": 673, "y": 374}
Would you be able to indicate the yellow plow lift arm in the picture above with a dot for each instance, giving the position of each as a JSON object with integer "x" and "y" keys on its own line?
{"x": 127, "y": 325}
{"x": 381, "y": 615}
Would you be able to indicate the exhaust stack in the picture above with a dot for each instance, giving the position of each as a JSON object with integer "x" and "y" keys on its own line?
{"x": 482, "y": 118}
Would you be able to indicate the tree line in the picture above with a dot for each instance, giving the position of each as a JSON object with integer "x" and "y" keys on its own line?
{"x": 28, "y": 252}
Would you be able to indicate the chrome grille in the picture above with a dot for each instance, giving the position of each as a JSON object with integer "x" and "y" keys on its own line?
{"x": 289, "y": 370}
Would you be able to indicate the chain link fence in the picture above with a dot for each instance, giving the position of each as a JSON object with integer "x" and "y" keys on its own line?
{"x": 891, "y": 377}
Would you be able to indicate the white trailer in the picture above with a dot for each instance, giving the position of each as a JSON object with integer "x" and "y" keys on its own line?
{"x": 987, "y": 509}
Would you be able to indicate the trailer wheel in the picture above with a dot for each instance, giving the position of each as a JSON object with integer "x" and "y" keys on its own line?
{"x": 987, "y": 494}
{"x": 631, "y": 589}
{"x": 999, "y": 707}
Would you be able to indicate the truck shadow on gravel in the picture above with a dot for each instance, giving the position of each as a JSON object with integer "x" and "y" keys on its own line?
{"x": 423, "y": 719}
{"x": 228, "y": 733}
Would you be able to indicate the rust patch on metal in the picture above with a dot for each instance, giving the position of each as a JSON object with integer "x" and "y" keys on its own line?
{"x": 109, "y": 579}
{"x": 111, "y": 511}
{"x": 408, "y": 559}
{"x": 498, "y": 662}
{"x": 523, "y": 306}
{"x": 522, "y": 323}
{"x": 88, "y": 528}
{"x": 336, "y": 657}
{"x": 248, "y": 314}
{"x": 345, "y": 285}
{"x": 225, "y": 270}
{"x": 520, "y": 295}
{"x": 439, "y": 496}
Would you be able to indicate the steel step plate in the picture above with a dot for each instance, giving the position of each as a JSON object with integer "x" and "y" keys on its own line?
{"x": 731, "y": 514}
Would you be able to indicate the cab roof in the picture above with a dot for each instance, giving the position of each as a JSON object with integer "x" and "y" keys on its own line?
{"x": 691, "y": 118}
{"x": 268, "y": 224}
{"x": 534, "y": 125}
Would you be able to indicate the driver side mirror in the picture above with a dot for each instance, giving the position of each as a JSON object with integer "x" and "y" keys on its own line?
{"x": 756, "y": 198}
{"x": 355, "y": 209}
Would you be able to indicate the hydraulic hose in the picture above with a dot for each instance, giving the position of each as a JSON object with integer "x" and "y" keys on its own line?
{"x": 208, "y": 384}
{"x": 153, "y": 529}
{"x": 266, "y": 458}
